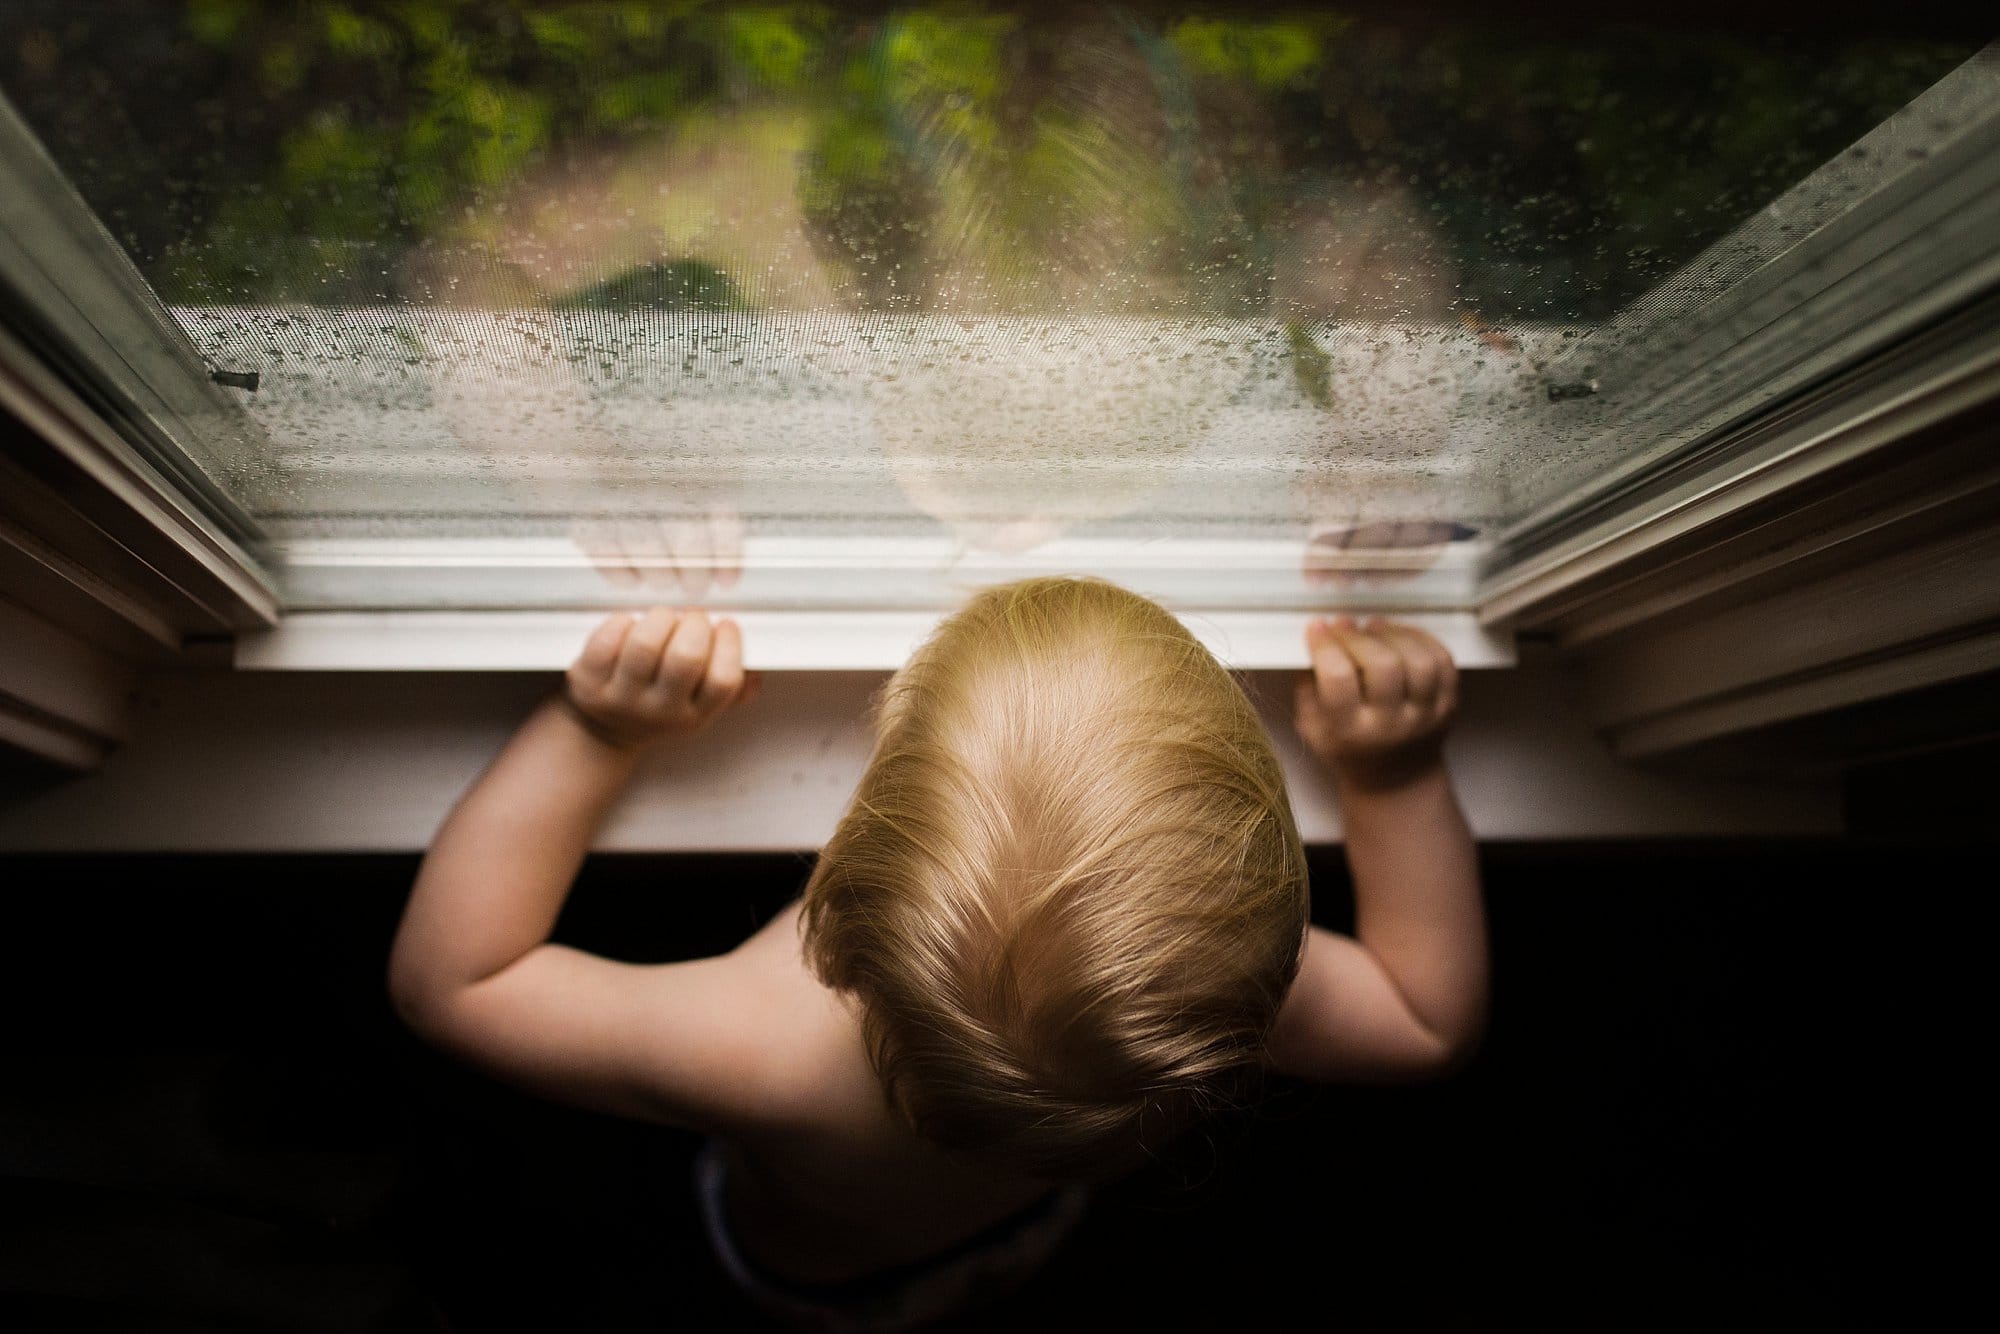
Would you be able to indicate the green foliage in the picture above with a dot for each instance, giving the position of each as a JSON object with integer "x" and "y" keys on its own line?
{"x": 1268, "y": 56}
{"x": 357, "y": 36}
{"x": 216, "y": 21}
{"x": 1563, "y": 178}
{"x": 949, "y": 54}
{"x": 769, "y": 46}
{"x": 643, "y": 98}
{"x": 677, "y": 285}
{"x": 559, "y": 36}
{"x": 1312, "y": 368}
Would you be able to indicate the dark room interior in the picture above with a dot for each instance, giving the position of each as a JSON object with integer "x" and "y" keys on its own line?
{"x": 1722, "y": 1082}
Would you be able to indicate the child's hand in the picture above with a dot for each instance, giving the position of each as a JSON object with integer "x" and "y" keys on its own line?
{"x": 1375, "y": 707}
{"x": 665, "y": 673}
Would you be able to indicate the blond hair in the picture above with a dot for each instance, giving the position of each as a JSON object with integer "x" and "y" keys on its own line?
{"x": 1069, "y": 894}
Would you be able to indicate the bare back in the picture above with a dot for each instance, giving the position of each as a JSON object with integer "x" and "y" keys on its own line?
{"x": 825, "y": 1182}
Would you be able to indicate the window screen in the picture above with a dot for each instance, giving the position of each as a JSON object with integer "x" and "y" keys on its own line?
{"x": 547, "y": 305}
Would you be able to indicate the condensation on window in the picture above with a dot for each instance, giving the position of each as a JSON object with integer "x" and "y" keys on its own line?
{"x": 646, "y": 287}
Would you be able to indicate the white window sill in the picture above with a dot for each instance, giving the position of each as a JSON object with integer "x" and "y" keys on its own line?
{"x": 371, "y": 761}
{"x": 459, "y": 641}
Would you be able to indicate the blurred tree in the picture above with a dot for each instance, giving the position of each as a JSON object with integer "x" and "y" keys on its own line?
{"x": 953, "y": 156}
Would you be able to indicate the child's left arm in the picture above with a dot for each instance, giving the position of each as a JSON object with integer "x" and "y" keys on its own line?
{"x": 471, "y": 968}
{"x": 1405, "y": 996}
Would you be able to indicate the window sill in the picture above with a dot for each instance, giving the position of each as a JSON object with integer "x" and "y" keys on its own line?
{"x": 371, "y": 761}
{"x": 504, "y": 641}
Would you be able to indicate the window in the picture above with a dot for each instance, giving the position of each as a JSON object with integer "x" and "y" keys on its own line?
{"x": 541, "y": 305}
{"x": 511, "y": 306}
{"x": 426, "y": 330}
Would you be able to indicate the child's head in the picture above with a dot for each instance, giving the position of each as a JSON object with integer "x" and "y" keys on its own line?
{"x": 1069, "y": 893}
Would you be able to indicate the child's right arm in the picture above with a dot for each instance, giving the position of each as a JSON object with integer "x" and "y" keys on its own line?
{"x": 473, "y": 970}
{"x": 1405, "y": 996}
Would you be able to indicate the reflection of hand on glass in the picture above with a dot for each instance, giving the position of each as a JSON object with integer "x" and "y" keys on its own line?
{"x": 693, "y": 553}
{"x": 980, "y": 521}
{"x": 1355, "y": 555}
{"x": 1042, "y": 424}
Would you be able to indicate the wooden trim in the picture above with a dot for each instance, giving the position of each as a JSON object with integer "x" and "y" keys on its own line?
{"x": 63, "y": 747}
{"x": 98, "y": 475}
{"x": 1882, "y": 512}
{"x": 1813, "y": 693}
{"x": 54, "y": 685}
{"x": 1880, "y": 624}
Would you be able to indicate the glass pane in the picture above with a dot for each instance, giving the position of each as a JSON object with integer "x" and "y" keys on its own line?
{"x": 545, "y": 304}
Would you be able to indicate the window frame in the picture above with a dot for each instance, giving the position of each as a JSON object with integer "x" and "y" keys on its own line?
{"x": 111, "y": 389}
{"x": 95, "y": 326}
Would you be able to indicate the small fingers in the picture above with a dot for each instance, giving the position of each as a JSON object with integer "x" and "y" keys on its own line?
{"x": 1427, "y": 655}
{"x": 1336, "y": 681}
{"x": 1423, "y": 660}
{"x": 724, "y": 683}
{"x": 600, "y": 652}
{"x": 599, "y": 542}
{"x": 1308, "y": 713}
{"x": 1379, "y": 665}
{"x": 647, "y": 551}
{"x": 639, "y": 659}
{"x": 685, "y": 661}
{"x": 688, "y": 551}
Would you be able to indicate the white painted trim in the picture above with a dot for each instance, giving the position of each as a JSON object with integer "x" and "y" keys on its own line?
{"x": 876, "y": 572}
{"x": 773, "y": 640}
{"x": 1781, "y": 456}
{"x": 883, "y": 552}
{"x": 222, "y": 761}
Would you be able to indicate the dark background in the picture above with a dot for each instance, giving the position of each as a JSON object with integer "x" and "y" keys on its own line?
{"x": 1723, "y": 1079}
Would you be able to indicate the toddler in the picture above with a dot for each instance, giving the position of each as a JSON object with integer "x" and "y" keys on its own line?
{"x": 1063, "y": 919}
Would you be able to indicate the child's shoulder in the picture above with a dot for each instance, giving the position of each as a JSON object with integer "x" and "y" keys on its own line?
{"x": 803, "y": 1056}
